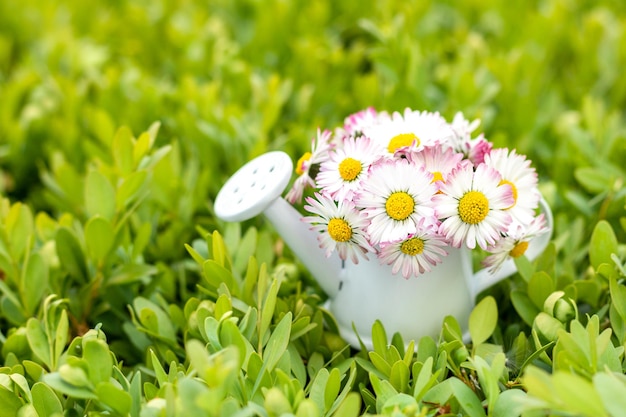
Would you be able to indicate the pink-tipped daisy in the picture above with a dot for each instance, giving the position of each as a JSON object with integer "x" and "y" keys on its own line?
{"x": 415, "y": 254}
{"x": 340, "y": 225}
{"x": 516, "y": 171}
{"x": 340, "y": 176}
{"x": 320, "y": 146}
{"x": 514, "y": 244}
{"x": 395, "y": 195}
{"x": 472, "y": 206}
{"x": 473, "y": 149}
{"x": 412, "y": 129}
{"x": 437, "y": 161}
{"x": 356, "y": 123}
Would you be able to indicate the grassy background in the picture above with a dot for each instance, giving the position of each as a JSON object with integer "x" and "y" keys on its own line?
{"x": 228, "y": 80}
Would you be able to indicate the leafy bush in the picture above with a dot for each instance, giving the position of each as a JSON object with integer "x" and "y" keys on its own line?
{"x": 122, "y": 294}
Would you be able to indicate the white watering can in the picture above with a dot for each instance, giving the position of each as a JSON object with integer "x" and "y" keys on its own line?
{"x": 359, "y": 294}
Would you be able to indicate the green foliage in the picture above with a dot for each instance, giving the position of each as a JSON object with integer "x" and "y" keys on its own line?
{"x": 120, "y": 121}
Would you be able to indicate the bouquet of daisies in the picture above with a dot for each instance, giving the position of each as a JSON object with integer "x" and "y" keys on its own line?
{"x": 406, "y": 186}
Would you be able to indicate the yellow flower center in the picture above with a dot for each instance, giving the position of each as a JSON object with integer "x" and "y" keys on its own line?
{"x": 301, "y": 161}
{"x": 349, "y": 169}
{"x": 519, "y": 249}
{"x": 401, "y": 140}
{"x": 437, "y": 176}
{"x": 513, "y": 189}
{"x": 399, "y": 205}
{"x": 339, "y": 230}
{"x": 413, "y": 246}
{"x": 473, "y": 207}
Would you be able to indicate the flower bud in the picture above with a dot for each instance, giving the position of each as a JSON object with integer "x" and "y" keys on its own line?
{"x": 547, "y": 327}
{"x": 560, "y": 307}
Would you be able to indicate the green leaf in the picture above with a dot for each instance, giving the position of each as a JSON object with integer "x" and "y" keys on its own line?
{"x": 38, "y": 341}
{"x": 57, "y": 383}
{"x": 45, "y": 401}
{"x": 19, "y": 225}
{"x": 540, "y": 286}
{"x": 350, "y": 406}
{"x": 10, "y": 403}
{"x": 578, "y": 394}
{"x": 215, "y": 274}
{"x": 99, "y": 195}
{"x": 154, "y": 318}
{"x": 34, "y": 282}
{"x": 524, "y": 267}
{"x": 267, "y": 311}
{"x": 129, "y": 273}
{"x": 612, "y": 390}
{"x": 524, "y": 306}
{"x": 99, "y": 238}
{"x": 399, "y": 376}
{"x": 379, "y": 339}
{"x": 70, "y": 254}
{"x": 123, "y": 150}
{"x": 603, "y": 244}
{"x": 483, "y": 320}
{"x": 159, "y": 372}
{"x": 333, "y": 384}
{"x": 318, "y": 389}
{"x": 593, "y": 179}
{"x": 96, "y": 353}
{"x": 277, "y": 343}
{"x": 130, "y": 189}
{"x": 114, "y": 397}
{"x": 510, "y": 403}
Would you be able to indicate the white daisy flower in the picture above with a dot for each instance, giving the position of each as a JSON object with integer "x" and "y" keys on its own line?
{"x": 320, "y": 146}
{"x": 356, "y": 123}
{"x": 340, "y": 176}
{"x": 472, "y": 206}
{"x": 516, "y": 171}
{"x": 341, "y": 227}
{"x": 416, "y": 253}
{"x": 412, "y": 129}
{"x": 514, "y": 244}
{"x": 395, "y": 195}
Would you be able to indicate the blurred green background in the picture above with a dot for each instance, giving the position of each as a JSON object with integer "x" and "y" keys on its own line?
{"x": 231, "y": 79}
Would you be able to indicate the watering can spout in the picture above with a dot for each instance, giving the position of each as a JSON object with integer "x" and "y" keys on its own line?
{"x": 255, "y": 189}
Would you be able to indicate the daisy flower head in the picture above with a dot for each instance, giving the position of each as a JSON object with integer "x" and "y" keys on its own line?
{"x": 356, "y": 123}
{"x": 340, "y": 225}
{"x": 472, "y": 206}
{"x": 438, "y": 161}
{"x": 416, "y": 253}
{"x": 395, "y": 195}
{"x": 516, "y": 171}
{"x": 320, "y": 146}
{"x": 474, "y": 149}
{"x": 412, "y": 129}
{"x": 340, "y": 176}
{"x": 514, "y": 244}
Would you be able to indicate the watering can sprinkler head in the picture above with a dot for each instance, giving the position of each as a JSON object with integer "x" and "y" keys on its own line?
{"x": 256, "y": 188}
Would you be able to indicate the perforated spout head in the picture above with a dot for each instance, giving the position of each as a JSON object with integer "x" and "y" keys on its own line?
{"x": 254, "y": 187}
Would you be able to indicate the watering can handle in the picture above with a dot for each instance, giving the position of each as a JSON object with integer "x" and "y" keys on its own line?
{"x": 483, "y": 279}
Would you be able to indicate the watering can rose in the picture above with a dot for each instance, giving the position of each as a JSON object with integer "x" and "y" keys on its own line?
{"x": 404, "y": 187}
